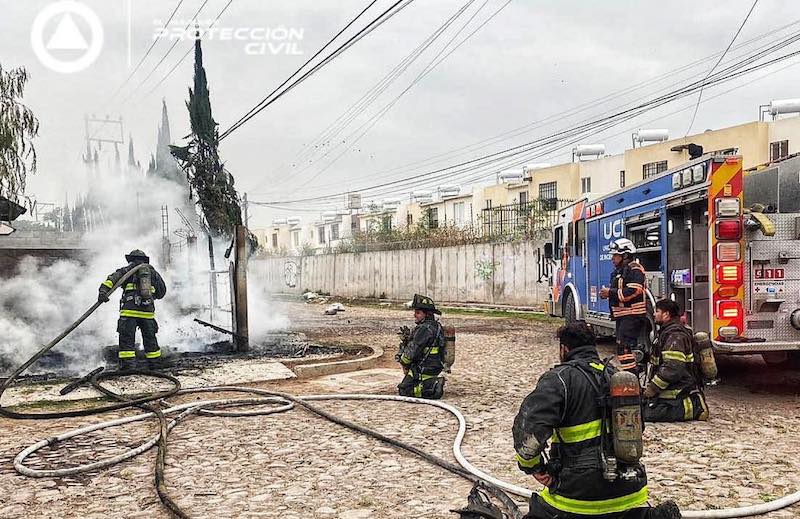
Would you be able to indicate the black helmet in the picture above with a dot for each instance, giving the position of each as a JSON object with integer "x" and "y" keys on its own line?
{"x": 424, "y": 303}
{"x": 137, "y": 256}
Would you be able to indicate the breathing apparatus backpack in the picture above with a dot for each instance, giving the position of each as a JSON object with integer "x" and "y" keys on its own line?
{"x": 621, "y": 442}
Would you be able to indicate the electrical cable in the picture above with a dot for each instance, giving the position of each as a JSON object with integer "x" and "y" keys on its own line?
{"x": 185, "y": 55}
{"x": 365, "y": 127}
{"x": 720, "y": 77}
{"x": 377, "y": 22}
{"x": 144, "y": 57}
{"x": 700, "y": 96}
{"x": 580, "y": 108}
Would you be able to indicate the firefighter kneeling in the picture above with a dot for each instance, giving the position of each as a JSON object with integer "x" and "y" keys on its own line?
{"x": 591, "y": 415}
{"x": 675, "y": 392}
{"x": 422, "y": 352}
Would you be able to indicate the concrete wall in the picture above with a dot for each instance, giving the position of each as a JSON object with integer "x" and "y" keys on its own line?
{"x": 445, "y": 274}
{"x": 48, "y": 246}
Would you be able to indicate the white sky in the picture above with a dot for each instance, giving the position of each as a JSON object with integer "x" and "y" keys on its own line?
{"x": 533, "y": 60}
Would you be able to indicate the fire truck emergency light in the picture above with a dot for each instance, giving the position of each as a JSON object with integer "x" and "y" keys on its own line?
{"x": 727, "y": 207}
{"x": 729, "y": 274}
{"x": 728, "y": 230}
{"x": 728, "y": 251}
{"x": 729, "y": 309}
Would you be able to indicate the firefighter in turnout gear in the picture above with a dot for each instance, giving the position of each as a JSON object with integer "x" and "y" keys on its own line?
{"x": 625, "y": 295}
{"x": 675, "y": 392}
{"x": 568, "y": 409}
{"x": 422, "y": 352}
{"x": 136, "y": 309}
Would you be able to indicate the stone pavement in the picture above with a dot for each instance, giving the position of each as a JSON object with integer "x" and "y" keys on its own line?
{"x": 296, "y": 465}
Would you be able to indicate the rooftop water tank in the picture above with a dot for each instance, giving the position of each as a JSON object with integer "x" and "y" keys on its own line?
{"x": 651, "y": 135}
{"x": 279, "y": 221}
{"x": 585, "y": 151}
{"x": 293, "y": 220}
{"x": 511, "y": 175}
{"x": 784, "y": 106}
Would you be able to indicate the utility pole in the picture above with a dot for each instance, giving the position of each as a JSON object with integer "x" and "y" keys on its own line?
{"x": 240, "y": 321}
{"x": 246, "y": 211}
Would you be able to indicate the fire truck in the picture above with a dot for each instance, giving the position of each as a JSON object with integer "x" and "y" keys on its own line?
{"x": 723, "y": 243}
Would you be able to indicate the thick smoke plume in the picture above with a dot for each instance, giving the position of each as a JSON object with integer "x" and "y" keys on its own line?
{"x": 40, "y": 300}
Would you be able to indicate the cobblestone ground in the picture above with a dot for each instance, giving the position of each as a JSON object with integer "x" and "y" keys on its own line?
{"x": 296, "y": 465}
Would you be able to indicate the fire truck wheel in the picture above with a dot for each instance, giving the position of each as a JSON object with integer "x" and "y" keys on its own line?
{"x": 570, "y": 315}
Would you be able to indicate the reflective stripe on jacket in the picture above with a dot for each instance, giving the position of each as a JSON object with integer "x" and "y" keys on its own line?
{"x": 563, "y": 411}
{"x": 131, "y": 303}
{"x": 626, "y": 292}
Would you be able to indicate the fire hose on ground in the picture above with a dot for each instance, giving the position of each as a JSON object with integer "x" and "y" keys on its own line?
{"x": 281, "y": 402}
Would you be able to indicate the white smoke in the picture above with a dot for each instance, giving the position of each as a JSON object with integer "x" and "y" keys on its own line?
{"x": 41, "y": 300}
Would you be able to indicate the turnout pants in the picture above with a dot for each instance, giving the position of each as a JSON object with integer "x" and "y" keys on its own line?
{"x": 629, "y": 331}
{"x": 421, "y": 386}
{"x": 126, "y": 328}
{"x": 541, "y": 510}
{"x": 691, "y": 407}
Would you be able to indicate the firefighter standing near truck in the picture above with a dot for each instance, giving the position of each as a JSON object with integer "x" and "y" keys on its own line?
{"x": 569, "y": 408}
{"x": 675, "y": 392}
{"x": 625, "y": 296}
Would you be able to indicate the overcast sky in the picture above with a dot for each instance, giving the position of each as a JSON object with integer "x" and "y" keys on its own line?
{"x": 533, "y": 60}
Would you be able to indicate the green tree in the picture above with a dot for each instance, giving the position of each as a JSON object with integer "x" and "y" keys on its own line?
{"x": 18, "y": 127}
{"x": 200, "y": 159}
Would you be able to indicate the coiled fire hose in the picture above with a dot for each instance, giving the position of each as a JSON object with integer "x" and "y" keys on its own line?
{"x": 283, "y": 402}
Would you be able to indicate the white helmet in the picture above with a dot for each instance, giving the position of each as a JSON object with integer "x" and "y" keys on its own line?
{"x": 622, "y": 246}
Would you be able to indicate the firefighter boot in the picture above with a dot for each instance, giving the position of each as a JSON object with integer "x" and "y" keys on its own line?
{"x": 125, "y": 365}
{"x": 665, "y": 510}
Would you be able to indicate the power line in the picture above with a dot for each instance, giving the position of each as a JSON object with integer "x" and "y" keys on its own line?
{"x": 700, "y": 96}
{"x": 722, "y": 76}
{"x": 169, "y": 51}
{"x": 574, "y": 111}
{"x": 144, "y": 57}
{"x": 186, "y": 54}
{"x": 369, "y": 124}
{"x": 377, "y": 22}
{"x": 355, "y": 109}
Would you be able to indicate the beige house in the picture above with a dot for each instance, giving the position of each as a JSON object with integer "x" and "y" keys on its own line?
{"x": 758, "y": 142}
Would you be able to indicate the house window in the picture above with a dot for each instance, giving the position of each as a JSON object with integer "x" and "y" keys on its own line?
{"x": 458, "y": 213}
{"x": 778, "y": 150}
{"x": 321, "y": 235}
{"x": 586, "y": 185}
{"x": 334, "y": 231}
{"x": 433, "y": 217}
{"x": 488, "y": 204}
{"x": 275, "y": 241}
{"x": 652, "y": 169}
{"x": 295, "y": 238}
{"x": 387, "y": 223}
{"x": 354, "y": 224}
{"x": 523, "y": 198}
{"x": 409, "y": 219}
{"x": 548, "y": 194}
{"x": 622, "y": 178}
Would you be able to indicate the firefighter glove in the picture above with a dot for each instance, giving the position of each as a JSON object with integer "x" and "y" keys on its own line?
{"x": 102, "y": 297}
{"x": 651, "y": 391}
